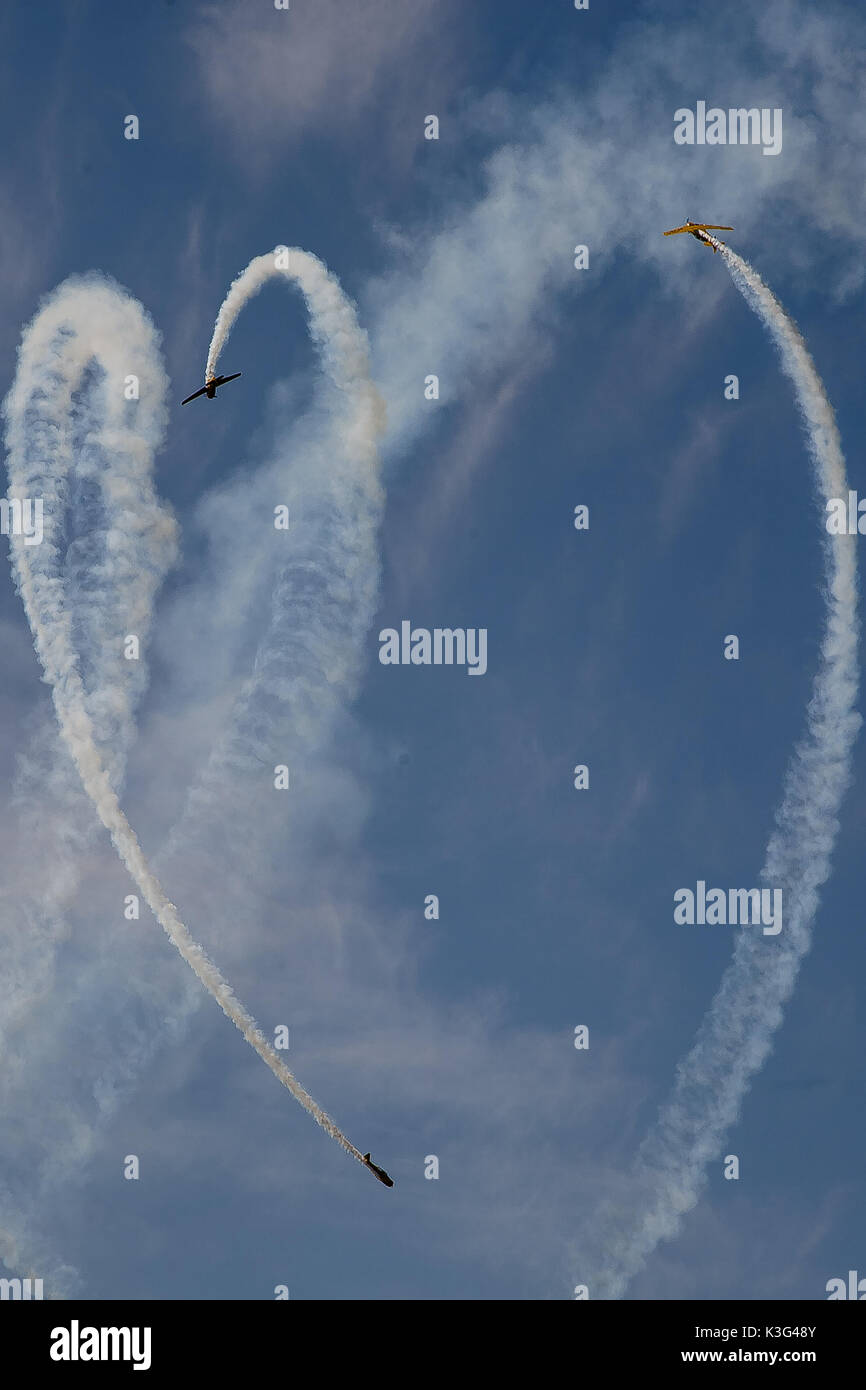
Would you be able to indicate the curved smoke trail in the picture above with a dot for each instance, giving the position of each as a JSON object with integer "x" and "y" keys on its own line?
{"x": 38, "y": 418}
{"x": 323, "y": 595}
{"x": 736, "y": 1035}
{"x": 121, "y": 542}
{"x": 118, "y": 544}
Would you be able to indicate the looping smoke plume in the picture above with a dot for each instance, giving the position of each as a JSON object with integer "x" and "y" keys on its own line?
{"x": 736, "y": 1035}
{"x": 87, "y": 344}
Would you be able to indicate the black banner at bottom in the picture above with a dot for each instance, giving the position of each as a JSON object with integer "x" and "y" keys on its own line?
{"x": 82, "y": 1339}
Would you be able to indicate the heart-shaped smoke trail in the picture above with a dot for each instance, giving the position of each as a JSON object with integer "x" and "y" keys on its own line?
{"x": 93, "y": 325}
{"x": 736, "y": 1035}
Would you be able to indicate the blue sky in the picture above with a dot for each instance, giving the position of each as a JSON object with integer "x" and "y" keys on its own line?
{"x": 559, "y": 387}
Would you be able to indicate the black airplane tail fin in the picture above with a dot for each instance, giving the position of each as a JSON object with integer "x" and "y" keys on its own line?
{"x": 366, "y": 1158}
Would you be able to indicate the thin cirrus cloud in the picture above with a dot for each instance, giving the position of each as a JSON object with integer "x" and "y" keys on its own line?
{"x": 273, "y": 78}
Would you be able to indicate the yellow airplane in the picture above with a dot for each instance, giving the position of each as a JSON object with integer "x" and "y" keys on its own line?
{"x": 695, "y": 228}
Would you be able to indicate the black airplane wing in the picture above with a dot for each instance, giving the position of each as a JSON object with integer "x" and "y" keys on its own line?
{"x": 193, "y": 396}
{"x": 221, "y": 380}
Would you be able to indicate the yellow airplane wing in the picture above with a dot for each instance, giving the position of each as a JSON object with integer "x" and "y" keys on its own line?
{"x": 699, "y": 227}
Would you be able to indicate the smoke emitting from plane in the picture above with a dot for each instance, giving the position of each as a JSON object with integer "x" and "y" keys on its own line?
{"x": 736, "y": 1035}
{"x": 333, "y": 328}
{"x": 91, "y": 323}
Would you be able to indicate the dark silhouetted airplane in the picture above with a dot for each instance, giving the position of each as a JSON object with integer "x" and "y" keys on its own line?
{"x": 210, "y": 387}
{"x": 380, "y": 1172}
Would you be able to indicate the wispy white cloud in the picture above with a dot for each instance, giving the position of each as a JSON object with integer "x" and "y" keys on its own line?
{"x": 273, "y": 79}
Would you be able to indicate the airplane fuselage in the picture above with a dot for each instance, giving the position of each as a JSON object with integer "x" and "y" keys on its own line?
{"x": 379, "y": 1172}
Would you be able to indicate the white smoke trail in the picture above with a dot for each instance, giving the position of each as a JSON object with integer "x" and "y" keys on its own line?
{"x": 334, "y": 329}
{"x": 119, "y": 541}
{"x": 323, "y": 595}
{"x": 40, "y": 580}
{"x": 116, "y": 557}
{"x": 736, "y": 1035}
{"x": 311, "y": 596}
